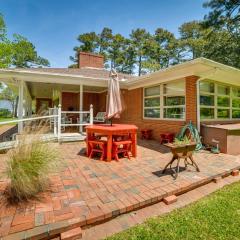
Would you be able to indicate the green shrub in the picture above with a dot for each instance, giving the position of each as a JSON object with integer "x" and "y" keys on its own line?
{"x": 28, "y": 167}
{"x": 185, "y": 140}
{"x": 4, "y": 112}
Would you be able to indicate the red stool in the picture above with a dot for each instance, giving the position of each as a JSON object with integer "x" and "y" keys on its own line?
{"x": 123, "y": 147}
{"x": 97, "y": 146}
{"x": 146, "y": 134}
{"x": 88, "y": 147}
{"x": 166, "y": 138}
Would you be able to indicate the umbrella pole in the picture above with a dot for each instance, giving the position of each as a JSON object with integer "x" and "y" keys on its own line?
{"x": 111, "y": 121}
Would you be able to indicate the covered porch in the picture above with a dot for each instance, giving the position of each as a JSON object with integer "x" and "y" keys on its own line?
{"x": 41, "y": 94}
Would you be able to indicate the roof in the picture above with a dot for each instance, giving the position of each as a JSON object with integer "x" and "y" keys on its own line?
{"x": 201, "y": 67}
{"x": 89, "y": 72}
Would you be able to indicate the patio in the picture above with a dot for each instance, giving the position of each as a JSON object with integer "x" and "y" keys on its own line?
{"x": 89, "y": 191}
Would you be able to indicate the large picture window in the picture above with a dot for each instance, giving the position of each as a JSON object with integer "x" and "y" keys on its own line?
{"x": 152, "y": 102}
{"x": 219, "y": 101}
{"x": 166, "y": 101}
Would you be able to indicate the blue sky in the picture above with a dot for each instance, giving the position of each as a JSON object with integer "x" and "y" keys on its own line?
{"x": 53, "y": 25}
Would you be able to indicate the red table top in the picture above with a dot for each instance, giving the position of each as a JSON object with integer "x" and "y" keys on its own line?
{"x": 114, "y": 128}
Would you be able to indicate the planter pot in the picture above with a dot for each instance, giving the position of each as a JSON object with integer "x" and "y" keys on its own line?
{"x": 179, "y": 152}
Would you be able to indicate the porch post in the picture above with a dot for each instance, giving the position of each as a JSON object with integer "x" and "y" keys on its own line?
{"x": 20, "y": 105}
{"x": 59, "y": 122}
{"x": 91, "y": 114}
{"x": 81, "y": 106}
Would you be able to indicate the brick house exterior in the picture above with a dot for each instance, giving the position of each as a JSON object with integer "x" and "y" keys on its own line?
{"x": 78, "y": 88}
{"x": 133, "y": 113}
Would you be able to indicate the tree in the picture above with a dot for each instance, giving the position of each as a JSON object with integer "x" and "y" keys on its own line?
{"x": 128, "y": 58}
{"x": 139, "y": 39}
{"x": 89, "y": 42}
{"x": 19, "y": 52}
{"x": 221, "y": 46}
{"x": 25, "y": 54}
{"x": 115, "y": 52}
{"x": 164, "y": 48}
{"x": 104, "y": 41}
{"x": 5, "y": 46}
{"x": 192, "y": 39}
{"x": 224, "y": 41}
{"x": 7, "y": 94}
{"x": 224, "y": 13}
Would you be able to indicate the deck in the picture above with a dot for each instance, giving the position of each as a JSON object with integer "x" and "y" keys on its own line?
{"x": 88, "y": 191}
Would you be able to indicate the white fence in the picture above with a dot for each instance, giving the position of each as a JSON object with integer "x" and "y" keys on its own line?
{"x": 59, "y": 119}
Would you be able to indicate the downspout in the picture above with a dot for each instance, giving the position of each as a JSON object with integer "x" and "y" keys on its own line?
{"x": 198, "y": 104}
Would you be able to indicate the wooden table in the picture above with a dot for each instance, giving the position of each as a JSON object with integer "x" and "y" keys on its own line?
{"x": 116, "y": 129}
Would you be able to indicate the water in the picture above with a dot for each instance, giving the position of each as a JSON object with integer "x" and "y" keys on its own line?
{"x": 5, "y": 104}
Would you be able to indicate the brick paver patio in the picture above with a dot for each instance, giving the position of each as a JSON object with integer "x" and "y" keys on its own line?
{"x": 89, "y": 191}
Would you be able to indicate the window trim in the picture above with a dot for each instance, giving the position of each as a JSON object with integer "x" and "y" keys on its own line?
{"x": 216, "y": 107}
{"x": 162, "y": 107}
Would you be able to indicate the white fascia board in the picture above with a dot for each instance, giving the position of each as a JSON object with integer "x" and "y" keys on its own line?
{"x": 52, "y": 78}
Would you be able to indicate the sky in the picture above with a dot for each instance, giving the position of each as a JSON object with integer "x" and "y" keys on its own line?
{"x": 53, "y": 25}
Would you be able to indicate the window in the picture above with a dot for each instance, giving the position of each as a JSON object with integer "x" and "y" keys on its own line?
{"x": 174, "y": 100}
{"x": 165, "y": 101}
{"x": 207, "y": 100}
{"x": 218, "y": 101}
{"x": 152, "y": 102}
{"x": 235, "y": 103}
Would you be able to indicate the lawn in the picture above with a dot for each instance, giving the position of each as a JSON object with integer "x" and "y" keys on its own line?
{"x": 4, "y": 119}
{"x": 214, "y": 217}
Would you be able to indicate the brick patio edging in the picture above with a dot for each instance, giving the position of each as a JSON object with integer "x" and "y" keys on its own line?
{"x": 54, "y": 229}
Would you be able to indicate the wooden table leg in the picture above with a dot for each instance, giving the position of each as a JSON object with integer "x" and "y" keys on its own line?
{"x": 87, "y": 147}
{"x": 194, "y": 163}
{"x": 109, "y": 147}
{"x": 134, "y": 144}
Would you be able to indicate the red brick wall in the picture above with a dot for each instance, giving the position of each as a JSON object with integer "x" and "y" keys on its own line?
{"x": 133, "y": 113}
{"x": 70, "y": 100}
{"x": 90, "y": 60}
{"x": 191, "y": 99}
{"x": 91, "y": 98}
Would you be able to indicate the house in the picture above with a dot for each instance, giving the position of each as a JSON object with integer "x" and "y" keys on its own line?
{"x": 201, "y": 91}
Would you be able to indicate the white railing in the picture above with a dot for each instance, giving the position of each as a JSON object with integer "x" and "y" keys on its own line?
{"x": 56, "y": 119}
{"x": 64, "y": 121}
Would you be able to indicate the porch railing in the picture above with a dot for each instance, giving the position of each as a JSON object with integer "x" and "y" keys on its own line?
{"x": 55, "y": 117}
{"x": 81, "y": 121}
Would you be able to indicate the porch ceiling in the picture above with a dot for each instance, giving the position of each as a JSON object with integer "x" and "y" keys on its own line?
{"x": 45, "y": 90}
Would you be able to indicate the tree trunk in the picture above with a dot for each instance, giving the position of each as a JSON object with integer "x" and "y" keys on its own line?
{"x": 16, "y": 107}
{"x": 140, "y": 65}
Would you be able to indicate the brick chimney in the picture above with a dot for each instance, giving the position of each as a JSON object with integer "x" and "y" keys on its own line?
{"x": 90, "y": 60}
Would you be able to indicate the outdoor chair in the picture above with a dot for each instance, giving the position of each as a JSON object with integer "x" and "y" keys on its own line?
{"x": 100, "y": 117}
{"x": 166, "y": 138}
{"x": 97, "y": 146}
{"x": 146, "y": 134}
{"x": 121, "y": 147}
{"x": 122, "y": 144}
{"x": 65, "y": 120}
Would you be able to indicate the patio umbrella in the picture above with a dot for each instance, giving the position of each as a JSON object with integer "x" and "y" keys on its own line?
{"x": 114, "y": 102}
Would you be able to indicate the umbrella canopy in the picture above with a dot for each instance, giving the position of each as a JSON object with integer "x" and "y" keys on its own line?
{"x": 114, "y": 104}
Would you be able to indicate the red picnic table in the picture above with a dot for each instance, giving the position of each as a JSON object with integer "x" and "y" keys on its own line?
{"x": 109, "y": 131}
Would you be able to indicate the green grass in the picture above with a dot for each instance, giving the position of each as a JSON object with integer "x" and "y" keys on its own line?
{"x": 214, "y": 217}
{"x": 4, "y": 119}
